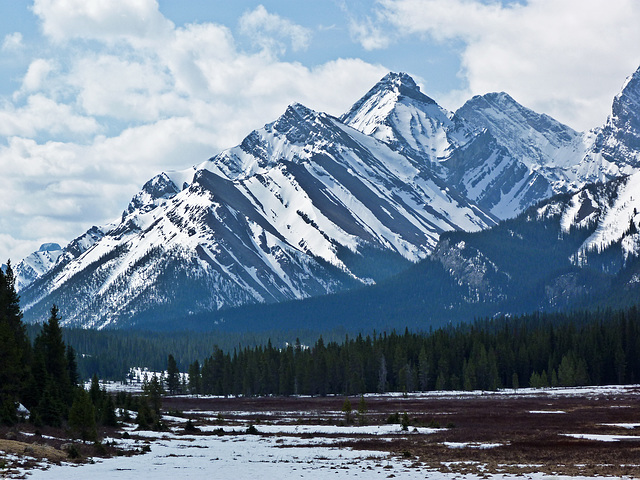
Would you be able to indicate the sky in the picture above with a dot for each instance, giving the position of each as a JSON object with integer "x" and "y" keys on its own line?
{"x": 97, "y": 96}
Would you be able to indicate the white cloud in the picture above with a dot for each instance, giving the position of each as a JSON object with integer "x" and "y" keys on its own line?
{"x": 12, "y": 42}
{"x": 108, "y": 21}
{"x": 268, "y": 31}
{"x": 43, "y": 115}
{"x": 565, "y": 58}
{"x": 37, "y": 74}
{"x": 368, "y": 34}
{"x": 93, "y": 123}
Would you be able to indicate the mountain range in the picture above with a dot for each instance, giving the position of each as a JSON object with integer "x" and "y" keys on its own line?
{"x": 312, "y": 204}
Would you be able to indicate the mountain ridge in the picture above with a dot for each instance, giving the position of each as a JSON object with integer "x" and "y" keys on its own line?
{"x": 311, "y": 205}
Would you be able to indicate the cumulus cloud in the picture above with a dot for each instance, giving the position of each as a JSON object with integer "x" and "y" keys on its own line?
{"x": 269, "y": 31}
{"x": 110, "y": 21}
{"x": 89, "y": 126}
{"x": 43, "y": 115}
{"x": 37, "y": 74}
{"x": 565, "y": 58}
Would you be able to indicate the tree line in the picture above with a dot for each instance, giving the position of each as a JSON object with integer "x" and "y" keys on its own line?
{"x": 537, "y": 350}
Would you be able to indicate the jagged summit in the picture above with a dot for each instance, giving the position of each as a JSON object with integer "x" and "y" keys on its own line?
{"x": 391, "y": 89}
{"x": 396, "y": 112}
{"x": 625, "y": 121}
{"x": 508, "y": 120}
{"x": 404, "y": 85}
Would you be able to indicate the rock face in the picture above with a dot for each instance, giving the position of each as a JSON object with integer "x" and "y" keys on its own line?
{"x": 311, "y": 204}
{"x": 518, "y": 158}
{"x": 617, "y": 144}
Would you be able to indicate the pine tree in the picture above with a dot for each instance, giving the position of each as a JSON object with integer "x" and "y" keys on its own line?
{"x": 49, "y": 342}
{"x": 195, "y": 378}
{"x": 362, "y": 411}
{"x": 346, "y": 408}
{"x": 82, "y": 417}
{"x": 108, "y": 416}
{"x": 173, "y": 375}
{"x": 14, "y": 347}
{"x": 72, "y": 366}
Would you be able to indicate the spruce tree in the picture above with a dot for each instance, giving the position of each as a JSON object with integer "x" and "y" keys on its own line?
{"x": 82, "y": 417}
{"x": 14, "y": 347}
{"x": 195, "y": 379}
{"x": 173, "y": 375}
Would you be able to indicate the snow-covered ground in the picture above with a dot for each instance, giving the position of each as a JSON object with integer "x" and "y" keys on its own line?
{"x": 252, "y": 457}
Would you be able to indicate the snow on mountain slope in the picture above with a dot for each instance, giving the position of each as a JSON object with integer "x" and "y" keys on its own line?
{"x": 536, "y": 139}
{"x": 613, "y": 210}
{"x": 615, "y": 148}
{"x": 37, "y": 263}
{"x": 396, "y": 112}
{"x": 293, "y": 211}
{"x": 498, "y": 153}
{"x": 519, "y": 158}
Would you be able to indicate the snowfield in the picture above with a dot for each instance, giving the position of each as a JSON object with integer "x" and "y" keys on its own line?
{"x": 256, "y": 457}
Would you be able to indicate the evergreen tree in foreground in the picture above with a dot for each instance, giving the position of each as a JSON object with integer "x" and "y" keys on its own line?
{"x": 14, "y": 348}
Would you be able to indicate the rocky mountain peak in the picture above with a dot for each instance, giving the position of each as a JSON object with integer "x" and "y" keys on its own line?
{"x": 625, "y": 108}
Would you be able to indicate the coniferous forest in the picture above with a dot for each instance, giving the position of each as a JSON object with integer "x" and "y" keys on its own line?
{"x": 538, "y": 350}
{"x": 535, "y": 350}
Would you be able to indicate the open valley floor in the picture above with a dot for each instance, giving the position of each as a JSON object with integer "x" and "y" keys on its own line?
{"x": 548, "y": 433}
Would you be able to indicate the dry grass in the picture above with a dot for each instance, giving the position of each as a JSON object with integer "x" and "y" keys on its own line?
{"x": 529, "y": 442}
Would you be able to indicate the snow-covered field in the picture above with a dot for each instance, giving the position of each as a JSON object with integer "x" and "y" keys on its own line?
{"x": 255, "y": 457}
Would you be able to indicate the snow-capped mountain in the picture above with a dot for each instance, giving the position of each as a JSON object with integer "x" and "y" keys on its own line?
{"x": 305, "y": 206}
{"x": 498, "y": 153}
{"x": 311, "y": 204}
{"x": 577, "y": 250}
{"x": 572, "y": 248}
{"x": 519, "y": 157}
{"x": 49, "y": 255}
{"x": 396, "y": 112}
{"x": 615, "y": 148}
{"x": 501, "y": 155}
{"x": 36, "y": 264}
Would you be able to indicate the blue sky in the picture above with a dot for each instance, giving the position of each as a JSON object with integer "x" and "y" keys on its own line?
{"x": 97, "y": 97}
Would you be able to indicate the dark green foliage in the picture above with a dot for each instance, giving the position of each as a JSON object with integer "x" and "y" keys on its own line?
{"x": 149, "y": 405}
{"x": 601, "y": 347}
{"x": 362, "y": 411}
{"x": 347, "y": 409}
{"x": 82, "y": 417}
{"x": 189, "y": 427}
{"x": 405, "y": 421}
{"x": 195, "y": 379}
{"x": 108, "y": 416}
{"x": 252, "y": 430}
{"x": 42, "y": 377}
{"x": 145, "y": 418}
{"x": 173, "y": 375}
{"x": 53, "y": 393}
{"x": 14, "y": 348}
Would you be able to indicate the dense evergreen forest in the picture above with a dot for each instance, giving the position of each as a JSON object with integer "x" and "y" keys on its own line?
{"x": 39, "y": 379}
{"x": 110, "y": 354}
{"x": 535, "y": 350}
